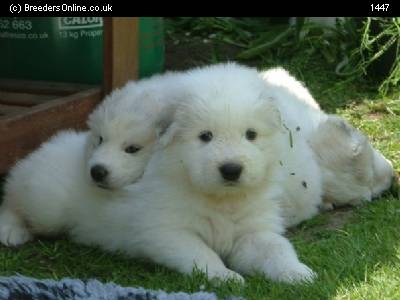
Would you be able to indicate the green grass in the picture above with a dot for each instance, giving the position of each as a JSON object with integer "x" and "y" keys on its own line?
{"x": 355, "y": 251}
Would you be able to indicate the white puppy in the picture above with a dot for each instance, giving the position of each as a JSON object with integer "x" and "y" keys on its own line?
{"x": 281, "y": 78}
{"x": 74, "y": 167}
{"x": 210, "y": 199}
{"x": 352, "y": 170}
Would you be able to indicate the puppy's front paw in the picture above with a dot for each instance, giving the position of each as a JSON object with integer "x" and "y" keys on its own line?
{"x": 224, "y": 275}
{"x": 296, "y": 273}
{"x": 14, "y": 235}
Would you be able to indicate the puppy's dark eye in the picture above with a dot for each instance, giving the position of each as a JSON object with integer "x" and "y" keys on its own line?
{"x": 132, "y": 149}
{"x": 251, "y": 134}
{"x": 206, "y": 136}
{"x": 100, "y": 140}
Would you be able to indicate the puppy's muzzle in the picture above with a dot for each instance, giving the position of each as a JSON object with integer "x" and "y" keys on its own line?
{"x": 231, "y": 171}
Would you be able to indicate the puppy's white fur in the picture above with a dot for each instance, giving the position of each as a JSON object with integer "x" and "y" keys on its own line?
{"x": 302, "y": 185}
{"x": 42, "y": 189}
{"x": 40, "y": 186}
{"x": 132, "y": 116}
{"x": 281, "y": 78}
{"x": 352, "y": 170}
{"x": 183, "y": 214}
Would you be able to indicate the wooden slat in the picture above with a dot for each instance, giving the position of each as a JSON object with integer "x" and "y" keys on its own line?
{"x": 41, "y": 87}
{"x": 121, "y": 55}
{"x": 21, "y": 134}
{"x": 24, "y": 99}
{"x": 7, "y": 110}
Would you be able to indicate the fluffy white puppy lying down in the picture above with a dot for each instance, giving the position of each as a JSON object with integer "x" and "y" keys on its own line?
{"x": 352, "y": 170}
{"x": 210, "y": 198}
{"x": 74, "y": 167}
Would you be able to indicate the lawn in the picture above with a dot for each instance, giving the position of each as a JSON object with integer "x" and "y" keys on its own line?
{"x": 355, "y": 251}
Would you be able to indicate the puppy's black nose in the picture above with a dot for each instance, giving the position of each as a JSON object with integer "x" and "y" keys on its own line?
{"x": 98, "y": 173}
{"x": 231, "y": 171}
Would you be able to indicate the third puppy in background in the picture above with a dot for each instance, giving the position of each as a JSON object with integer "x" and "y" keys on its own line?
{"x": 352, "y": 170}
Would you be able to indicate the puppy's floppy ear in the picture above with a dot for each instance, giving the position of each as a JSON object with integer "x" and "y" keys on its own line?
{"x": 358, "y": 144}
{"x": 168, "y": 135}
{"x": 354, "y": 138}
{"x": 164, "y": 120}
{"x": 166, "y": 127}
{"x": 271, "y": 111}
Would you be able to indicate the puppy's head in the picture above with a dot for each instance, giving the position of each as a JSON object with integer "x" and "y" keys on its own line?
{"x": 352, "y": 169}
{"x": 123, "y": 132}
{"x": 224, "y": 134}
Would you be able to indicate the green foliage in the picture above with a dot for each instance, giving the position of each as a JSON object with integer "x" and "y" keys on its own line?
{"x": 354, "y": 47}
{"x": 379, "y": 44}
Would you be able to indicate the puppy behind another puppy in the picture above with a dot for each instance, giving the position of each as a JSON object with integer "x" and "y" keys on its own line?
{"x": 42, "y": 190}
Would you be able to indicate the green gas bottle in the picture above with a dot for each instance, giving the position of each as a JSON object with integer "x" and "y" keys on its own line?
{"x": 70, "y": 49}
{"x": 151, "y": 46}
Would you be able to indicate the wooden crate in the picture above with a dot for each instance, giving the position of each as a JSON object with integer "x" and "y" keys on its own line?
{"x": 32, "y": 111}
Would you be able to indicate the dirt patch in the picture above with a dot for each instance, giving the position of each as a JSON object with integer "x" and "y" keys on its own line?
{"x": 185, "y": 54}
{"x": 337, "y": 218}
{"x": 188, "y": 53}
{"x": 375, "y": 116}
{"x": 330, "y": 220}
